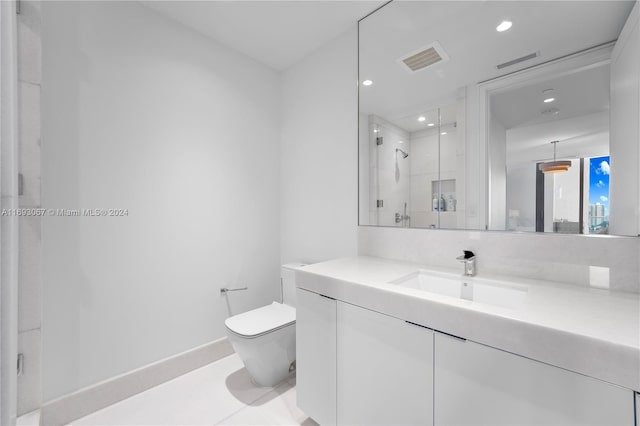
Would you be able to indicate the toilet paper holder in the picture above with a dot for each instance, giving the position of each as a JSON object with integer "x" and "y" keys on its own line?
{"x": 225, "y": 290}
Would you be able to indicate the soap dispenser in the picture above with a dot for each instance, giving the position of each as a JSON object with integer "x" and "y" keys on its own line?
{"x": 442, "y": 205}
{"x": 434, "y": 203}
{"x": 451, "y": 204}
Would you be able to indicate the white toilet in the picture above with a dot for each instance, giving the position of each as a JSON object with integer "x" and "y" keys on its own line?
{"x": 265, "y": 338}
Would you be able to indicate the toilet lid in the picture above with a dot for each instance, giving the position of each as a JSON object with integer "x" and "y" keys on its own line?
{"x": 261, "y": 320}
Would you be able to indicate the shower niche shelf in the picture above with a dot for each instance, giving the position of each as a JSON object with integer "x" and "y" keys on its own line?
{"x": 445, "y": 188}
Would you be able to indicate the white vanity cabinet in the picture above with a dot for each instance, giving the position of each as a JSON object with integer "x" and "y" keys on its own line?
{"x": 356, "y": 366}
{"x": 480, "y": 385}
{"x": 385, "y": 369}
{"x": 316, "y": 356}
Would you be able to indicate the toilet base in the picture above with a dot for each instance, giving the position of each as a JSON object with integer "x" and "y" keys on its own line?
{"x": 268, "y": 357}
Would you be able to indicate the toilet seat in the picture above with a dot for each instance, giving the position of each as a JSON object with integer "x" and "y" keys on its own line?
{"x": 258, "y": 322}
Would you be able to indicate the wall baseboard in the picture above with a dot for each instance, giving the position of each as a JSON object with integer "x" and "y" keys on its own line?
{"x": 85, "y": 401}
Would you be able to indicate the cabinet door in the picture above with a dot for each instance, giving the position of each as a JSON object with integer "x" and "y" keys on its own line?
{"x": 316, "y": 356}
{"x": 385, "y": 369}
{"x": 480, "y": 385}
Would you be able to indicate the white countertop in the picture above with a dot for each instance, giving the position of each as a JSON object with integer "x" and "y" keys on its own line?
{"x": 590, "y": 331}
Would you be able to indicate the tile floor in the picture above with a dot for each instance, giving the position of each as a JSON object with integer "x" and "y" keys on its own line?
{"x": 220, "y": 393}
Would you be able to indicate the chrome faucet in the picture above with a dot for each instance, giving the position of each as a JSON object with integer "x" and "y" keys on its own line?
{"x": 469, "y": 260}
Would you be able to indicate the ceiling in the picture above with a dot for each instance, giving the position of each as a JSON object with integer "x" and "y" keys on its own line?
{"x": 466, "y": 30}
{"x": 576, "y": 94}
{"x": 275, "y": 33}
{"x": 578, "y": 137}
{"x": 445, "y": 116}
{"x": 581, "y": 123}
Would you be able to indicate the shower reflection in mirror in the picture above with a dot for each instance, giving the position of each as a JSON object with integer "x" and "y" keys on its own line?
{"x": 412, "y": 171}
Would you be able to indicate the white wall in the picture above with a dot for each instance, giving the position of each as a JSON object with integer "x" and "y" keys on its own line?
{"x": 625, "y": 129}
{"x": 143, "y": 114}
{"x": 473, "y": 188}
{"x": 425, "y": 156}
{"x": 319, "y": 176}
{"x": 497, "y": 175}
{"x": 521, "y": 197}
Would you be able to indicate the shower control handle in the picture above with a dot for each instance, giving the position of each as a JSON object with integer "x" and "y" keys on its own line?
{"x": 404, "y": 218}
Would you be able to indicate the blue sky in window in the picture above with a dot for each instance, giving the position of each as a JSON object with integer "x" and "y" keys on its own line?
{"x": 599, "y": 182}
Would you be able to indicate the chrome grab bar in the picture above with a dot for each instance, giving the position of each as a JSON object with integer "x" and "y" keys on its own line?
{"x": 224, "y": 290}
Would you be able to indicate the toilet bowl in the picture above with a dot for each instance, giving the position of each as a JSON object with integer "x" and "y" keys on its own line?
{"x": 265, "y": 338}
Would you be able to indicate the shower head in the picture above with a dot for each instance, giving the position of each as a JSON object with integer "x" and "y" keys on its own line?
{"x": 404, "y": 154}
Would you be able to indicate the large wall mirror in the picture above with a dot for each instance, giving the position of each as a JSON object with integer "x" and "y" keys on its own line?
{"x": 501, "y": 115}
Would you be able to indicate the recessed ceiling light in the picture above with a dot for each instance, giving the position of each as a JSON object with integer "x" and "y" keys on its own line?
{"x": 430, "y": 124}
{"x": 375, "y": 130}
{"x": 547, "y": 95}
{"x": 504, "y": 26}
{"x": 400, "y": 142}
{"x": 443, "y": 133}
{"x": 421, "y": 119}
{"x": 367, "y": 83}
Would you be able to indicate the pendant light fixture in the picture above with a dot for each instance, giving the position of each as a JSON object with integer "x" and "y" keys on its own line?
{"x": 555, "y": 166}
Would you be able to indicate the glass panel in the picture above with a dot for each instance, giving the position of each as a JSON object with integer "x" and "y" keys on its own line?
{"x": 413, "y": 169}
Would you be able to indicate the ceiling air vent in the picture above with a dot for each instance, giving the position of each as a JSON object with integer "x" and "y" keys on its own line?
{"x": 518, "y": 60}
{"x": 424, "y": 57}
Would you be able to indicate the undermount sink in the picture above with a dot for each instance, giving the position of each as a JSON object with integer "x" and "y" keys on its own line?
{"x": 462, "y": 287}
